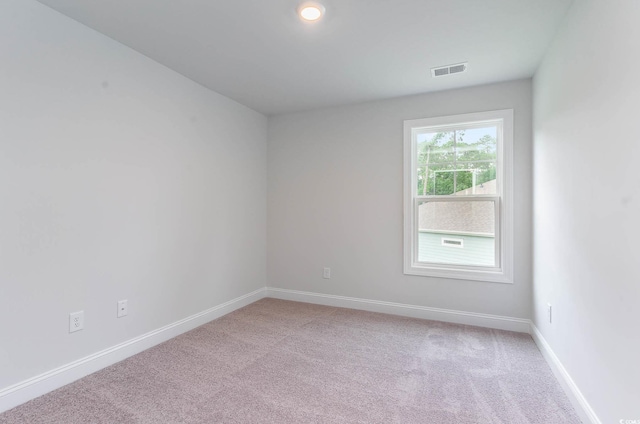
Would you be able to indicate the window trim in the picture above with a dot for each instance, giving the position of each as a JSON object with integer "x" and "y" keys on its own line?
{"x": 503, "y": 273}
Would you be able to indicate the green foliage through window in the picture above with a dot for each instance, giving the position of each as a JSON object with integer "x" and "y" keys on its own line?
{"x": 453, "y": 161}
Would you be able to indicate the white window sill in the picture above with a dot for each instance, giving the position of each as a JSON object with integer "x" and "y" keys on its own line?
{"x": 491, "y": 276}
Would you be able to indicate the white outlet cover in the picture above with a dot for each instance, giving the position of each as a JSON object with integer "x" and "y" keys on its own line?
{"x": 326, "y": 273}
{"x": 76, "y": 321}
{"x": 123, "y": 308}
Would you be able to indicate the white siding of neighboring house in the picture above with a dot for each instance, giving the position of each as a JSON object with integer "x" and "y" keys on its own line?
{"x": 477, "y": 250}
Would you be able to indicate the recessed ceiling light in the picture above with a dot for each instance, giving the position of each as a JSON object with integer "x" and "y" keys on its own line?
{"x": 311, "y": 11}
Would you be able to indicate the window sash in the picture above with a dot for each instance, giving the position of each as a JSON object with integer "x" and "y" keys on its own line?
{"x": 418, "y": 200}
{"x": 495, "y": 122}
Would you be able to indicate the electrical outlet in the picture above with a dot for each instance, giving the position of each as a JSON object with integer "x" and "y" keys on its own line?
{"x": 123, "y": 308}
{"x": 76, "y": 321}
{"x": 326, "y": 273}
{"x": 549, "y": 314}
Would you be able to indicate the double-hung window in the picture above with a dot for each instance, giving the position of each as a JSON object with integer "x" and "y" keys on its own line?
{"x": 458, "y": 218}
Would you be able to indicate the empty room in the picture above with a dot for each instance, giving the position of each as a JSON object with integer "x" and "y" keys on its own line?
{"x": 319, "y": 211}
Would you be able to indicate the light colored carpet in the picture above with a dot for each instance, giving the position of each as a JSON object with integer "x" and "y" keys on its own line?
{"x": 285, "y": 362}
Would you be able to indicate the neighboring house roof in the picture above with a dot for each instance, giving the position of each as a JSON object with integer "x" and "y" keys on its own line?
{"x": 460, "y": 217}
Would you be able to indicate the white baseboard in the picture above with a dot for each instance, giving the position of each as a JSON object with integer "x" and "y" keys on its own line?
{"x": 458, "y": 317}
{"x": 580, "y": 404}
{"x": 24, "y": 391}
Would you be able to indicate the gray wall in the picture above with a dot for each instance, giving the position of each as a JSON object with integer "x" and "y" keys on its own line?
{"x": 587, "y": 203}
{"x": 335, "y": 200}
{"x": 119, "y": 179}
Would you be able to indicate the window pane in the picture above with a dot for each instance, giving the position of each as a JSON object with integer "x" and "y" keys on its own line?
{"x": 421, "y": 184}
{"x": 477, "y": 144}
{"x": 438, "y": 147}
{"x": 470, "y": 222}
{"x": 476, "y": 178}
{"x": 464, "y": 180}
{"x": 461, "y": 162}
{"x": 440, "y": 179}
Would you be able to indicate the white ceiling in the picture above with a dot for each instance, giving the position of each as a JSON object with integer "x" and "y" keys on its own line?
{"x": 260, "y": 54}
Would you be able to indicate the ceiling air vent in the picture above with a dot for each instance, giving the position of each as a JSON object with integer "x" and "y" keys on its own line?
{"x": 449, "y": 70}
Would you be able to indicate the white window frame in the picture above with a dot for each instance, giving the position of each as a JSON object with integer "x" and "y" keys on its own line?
{"x": 503, "y": 199}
